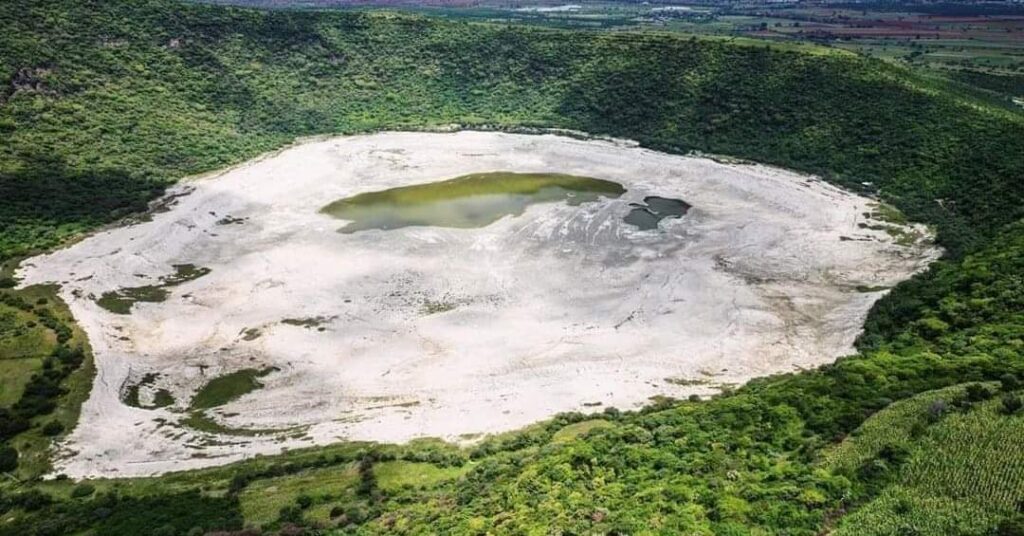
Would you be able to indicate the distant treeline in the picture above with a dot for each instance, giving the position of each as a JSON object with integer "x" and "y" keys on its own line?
{"x": 949, "y": 9}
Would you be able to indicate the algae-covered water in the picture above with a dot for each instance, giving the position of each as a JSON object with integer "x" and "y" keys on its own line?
{"x": 468, "y": 201}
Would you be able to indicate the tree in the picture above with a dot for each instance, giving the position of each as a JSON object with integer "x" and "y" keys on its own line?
{"x": 367, "y": 479}
{"x": 1012, "y": 404}
{"x": 11, "y": 424}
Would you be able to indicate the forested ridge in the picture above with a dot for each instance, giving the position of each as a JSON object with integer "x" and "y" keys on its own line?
{"x": 103, "y": 104}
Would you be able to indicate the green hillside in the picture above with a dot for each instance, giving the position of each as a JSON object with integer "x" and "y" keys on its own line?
{"x": 103, "y": 104}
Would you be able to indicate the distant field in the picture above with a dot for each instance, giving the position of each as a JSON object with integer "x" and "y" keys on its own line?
{"x": 991, "y": 42}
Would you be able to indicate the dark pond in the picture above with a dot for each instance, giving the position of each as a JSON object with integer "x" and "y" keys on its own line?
{"x": 648, "y": 215}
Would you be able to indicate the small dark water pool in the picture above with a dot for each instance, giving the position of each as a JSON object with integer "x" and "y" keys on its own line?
{"x": 648, "y": 215}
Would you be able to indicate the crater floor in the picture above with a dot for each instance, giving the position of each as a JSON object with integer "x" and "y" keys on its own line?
{"x": 390, "y": 335}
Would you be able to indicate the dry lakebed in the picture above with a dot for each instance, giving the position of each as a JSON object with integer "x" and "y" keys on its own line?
{"x": 401, "y": 285}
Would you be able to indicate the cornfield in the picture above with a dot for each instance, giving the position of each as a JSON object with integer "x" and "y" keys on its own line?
{"x": 964, "y": 473}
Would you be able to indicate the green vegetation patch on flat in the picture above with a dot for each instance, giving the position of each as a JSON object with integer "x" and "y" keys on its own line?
{"x": 224, "y": 389}
{"x": 121, "y": 301}
{"x": 203, "y": 421}
{"x": 184, "y": 273}
{"x": 160, "y": 397}
{"x": 310, "y": 322}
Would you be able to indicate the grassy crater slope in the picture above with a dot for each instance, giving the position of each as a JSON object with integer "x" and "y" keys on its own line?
{"x": 102, "y": 104}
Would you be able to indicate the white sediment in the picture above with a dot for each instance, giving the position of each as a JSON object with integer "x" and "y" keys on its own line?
{"x": 449, "y": 332}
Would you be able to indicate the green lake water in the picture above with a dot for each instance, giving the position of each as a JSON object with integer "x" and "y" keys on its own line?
{"x": 475, "y": 200}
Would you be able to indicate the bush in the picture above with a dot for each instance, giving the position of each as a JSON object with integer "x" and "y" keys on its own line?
{"x": 936, "y": 410}
{"x": 367, "y": 478}
{"x": 290, "y": 514}
{"x": 354, "y": 514}
{"x": 31, "y": 500}
{"x": 8, "y": 459}
{"x": 978, "y": 393}
{"x": 304, "y": 501}
{"x": 1012, "y": 404}
{"x": 238, "y": 482}
{"x": 52, "y": 428}
{"x": 83, "y": 490}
